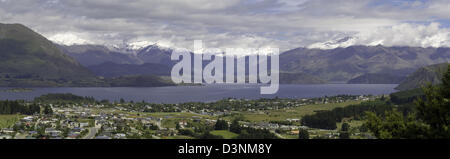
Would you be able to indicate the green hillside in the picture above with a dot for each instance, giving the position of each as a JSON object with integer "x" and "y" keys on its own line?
{"x": 29, "y": 59}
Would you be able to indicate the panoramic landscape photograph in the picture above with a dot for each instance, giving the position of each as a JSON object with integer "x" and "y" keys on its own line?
{"x": 224, "y": 69}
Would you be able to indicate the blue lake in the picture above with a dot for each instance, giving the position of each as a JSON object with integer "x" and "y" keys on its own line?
{"x": 207, "y": 93}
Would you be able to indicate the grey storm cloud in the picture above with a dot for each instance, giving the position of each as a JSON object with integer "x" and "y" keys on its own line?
{"x": 285, "y": 24}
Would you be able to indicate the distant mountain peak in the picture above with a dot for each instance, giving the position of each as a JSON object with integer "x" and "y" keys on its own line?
{"x": 155, "y": 46}
{"x": 332, "y": 44}
{"x": 138, "y": 45}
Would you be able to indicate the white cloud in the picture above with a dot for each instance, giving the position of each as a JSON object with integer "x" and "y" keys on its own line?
{"x": 286, "y": 24}
{"x": 68, "y": 39}
{"x": 408, "y": 35}
{"x": 405, "y": 34}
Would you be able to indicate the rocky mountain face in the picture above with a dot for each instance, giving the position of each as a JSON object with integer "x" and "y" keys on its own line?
{"x": 110, "y": 69}
{"x": 299, "y": 78}
{"x": 343, "y": 64}
{"x": 155, "y": 54}
{"x": 377, "y": 78}
{"x": 426, "y": 75}
{"x": 89, "y": 55}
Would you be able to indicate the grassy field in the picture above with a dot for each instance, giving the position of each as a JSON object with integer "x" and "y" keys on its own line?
{"x": 178, "y": 137}
{"x": 316, "y": 132}
{"x": 352, "y": 123}
{"x": 289, "y": 136}
{"x": 173, "y": 115}
{"x": 225, "y": 134}
{"x": 161, "y": 114}
{"x": 298, "y": 112}
{"x": 90, "y": 121}
{"x": 170, "y": 123}
{"x": 169, "y": 119}
{"x": 9, "y": 120}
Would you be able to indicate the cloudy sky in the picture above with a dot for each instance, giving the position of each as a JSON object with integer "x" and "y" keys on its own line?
{"x": 285, "y": 24}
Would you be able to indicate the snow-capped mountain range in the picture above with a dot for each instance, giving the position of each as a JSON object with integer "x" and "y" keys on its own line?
{"x": 335, "y": 60}
{"x": 389, "y": 39}
{"x": 136, "y": 47}
{"x": 127, "y": 53}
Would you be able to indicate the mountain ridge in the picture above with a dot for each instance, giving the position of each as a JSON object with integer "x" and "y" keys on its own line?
{"x": 344, "y": 64}
{"x": 426, "y": 75}
{"x": 334, "y": 65}
{"x": 28, "y": 58}
{"x": 377, "y": 78}
{"x": 111, "y": 69}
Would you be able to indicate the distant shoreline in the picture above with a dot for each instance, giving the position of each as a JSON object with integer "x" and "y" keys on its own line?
{"x": 17, "y": 89}
{"x": 204, "y": 93}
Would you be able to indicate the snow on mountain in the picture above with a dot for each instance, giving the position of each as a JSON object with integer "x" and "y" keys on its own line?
{"x": 138, "y": 45}
{"x": 332, "y": 44}
{"x": 431, "y": 35}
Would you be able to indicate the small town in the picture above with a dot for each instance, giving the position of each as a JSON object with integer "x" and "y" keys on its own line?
{"x": 66, "y": 116}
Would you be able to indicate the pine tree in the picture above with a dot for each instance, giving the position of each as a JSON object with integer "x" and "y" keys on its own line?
{"x": 431, "y": 119}
{"x": 435, "y": 110}
{"x": 235, "y": 127}
{"x": 303, "y": 134}
{"x": 345, "y": 127}
{"x": 221, "y": 125}
{"x": 48, "y": 110}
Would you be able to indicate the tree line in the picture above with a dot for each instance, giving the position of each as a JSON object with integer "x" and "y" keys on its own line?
{"x": 15, "y": 107}
{"x": 430, "y": 118}
{"x": 235, "y": 127}
{"x": 328, "y": 119}
{"x": 64, "y": 98}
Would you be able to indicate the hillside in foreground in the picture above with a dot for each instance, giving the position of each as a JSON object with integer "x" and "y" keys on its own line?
{"x": 29, "y": 59}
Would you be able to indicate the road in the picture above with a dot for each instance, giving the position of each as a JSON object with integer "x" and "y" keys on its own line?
{"x": 279, "y": 135}
{"x": 156, "y": 137}
{"x": 91, "y": 133}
